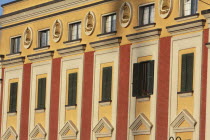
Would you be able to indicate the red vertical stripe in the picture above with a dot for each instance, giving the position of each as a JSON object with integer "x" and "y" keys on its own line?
{"x": 2, "y": 85}
{"x": 54, "y": 99}
{"x": 204, "y": 84}
{"x": 87, "y": 96}
{"x": 163, "y": 89}
{"x": 25, "y": 102}
{"x": 123, "y": 90}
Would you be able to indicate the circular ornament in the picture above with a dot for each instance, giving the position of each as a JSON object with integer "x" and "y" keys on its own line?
{"x": 28, "y": 37}
{"x": 125, "y": 14}
{"x": 90, "y": 22}
{"x": 165, "y": 7}
{"x": 57, "y": 30}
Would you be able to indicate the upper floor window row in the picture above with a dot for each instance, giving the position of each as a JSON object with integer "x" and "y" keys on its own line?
{"x": 146, "y": 17}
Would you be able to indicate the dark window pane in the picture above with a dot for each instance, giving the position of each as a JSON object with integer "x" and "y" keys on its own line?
{"x": 106, "y": 83}
{"x": 143, "y": 78}
{"x": 13, "y": 97}
{"x": 187, "y": 72}
{"x": 72, "y": 89}
{"x": 41, "y": 93}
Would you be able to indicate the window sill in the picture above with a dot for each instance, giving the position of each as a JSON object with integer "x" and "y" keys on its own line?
{"x": 107, "y": 34}
{"x": 40, "y": 110}
{"x": 143, "y": 98}
{"x": 140, "y": 27}
{"x": 183, "y": 18}
{"x": 72, "y": 41}
{"x": 12, "y": 113}
{"x": 185, "y": 93}
{"x": 105, "y": 103}
{"x": 71, "y": 107}
{"x": 42, "y": 48}
{"x": 13, "y": 54}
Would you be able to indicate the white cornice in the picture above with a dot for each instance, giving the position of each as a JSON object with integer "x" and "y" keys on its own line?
{"x": 13, "y": 62}
{"x": 41, "y": 56}
{"x": 143, "y": 36}
{"x": 41, "y": 11}
{"x": 186, "y": 27}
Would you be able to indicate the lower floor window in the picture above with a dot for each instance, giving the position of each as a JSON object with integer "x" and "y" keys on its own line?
{"x": 143, "y": 78}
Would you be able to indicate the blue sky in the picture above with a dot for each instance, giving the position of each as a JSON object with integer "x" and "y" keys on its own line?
{"x": 2, "y": 2}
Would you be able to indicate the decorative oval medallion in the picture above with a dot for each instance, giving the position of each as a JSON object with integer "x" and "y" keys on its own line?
{"x": 57, "y": 30}
{"x": 90, "y": 22}
{"x": 165, "y": 7}
{"x": 125, "y": 14}
{"x": 28, "y": 37}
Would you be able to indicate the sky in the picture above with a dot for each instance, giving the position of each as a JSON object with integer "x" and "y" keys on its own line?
{"x": 2, "y": 2}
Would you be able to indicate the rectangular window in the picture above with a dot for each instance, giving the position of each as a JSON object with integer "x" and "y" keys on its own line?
{"x": 187, "y": 72}
{"x": 106, "y": 83}
{"x": 44, "y": 38}
{"x": 146, "y": 14}
{"x": 15, "y": 45}
{"x": 75, "y": 31}
{"x": 109, "y": 23}
{"x": 41, "y": 93}
{"x": 189, "y": 7}
{"x": 72, "y": 89}
{"x": 13, "y": 97}
{"x": 143, "y": 78}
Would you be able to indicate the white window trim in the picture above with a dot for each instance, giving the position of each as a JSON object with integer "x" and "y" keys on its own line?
{"x": 150, "y": 48}
{"x": 194, "y": 40}
{"x": 101, "y": 57}
{"x": 35, "y": 70}
{"x": 68, "y": 63}
{"x": 12, "y": 73}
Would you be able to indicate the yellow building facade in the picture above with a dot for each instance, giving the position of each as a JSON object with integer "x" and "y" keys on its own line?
{"x": 105, "y": 70}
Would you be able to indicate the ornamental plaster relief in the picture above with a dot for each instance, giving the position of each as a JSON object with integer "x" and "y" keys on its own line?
{"x": 90, "y": 22}
{"x": 165, "y": 8}
{"x": 28, "y": 37}
{"x": 57, "y": 30}
{"x": 125, "y": 14}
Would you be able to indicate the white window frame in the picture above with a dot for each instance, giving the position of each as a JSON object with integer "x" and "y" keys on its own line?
{"x": 103, "y": 22}
{"x": 139, "y": 14}
{"x": 39, "y": 39}
{"x": 13, "y": 37}
{"x": 181, "y": 7}
{"x": 70, "y": 32}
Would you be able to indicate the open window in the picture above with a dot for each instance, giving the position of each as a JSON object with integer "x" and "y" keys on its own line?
{"x": 143, "y": 79}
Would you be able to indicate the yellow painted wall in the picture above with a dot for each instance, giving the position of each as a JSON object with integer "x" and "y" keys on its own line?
{"x": 185, "y": 135}
{"x": 108, "y": 138}
{"x": 11, "y": 118}
{"x": 39, "y": 115}
{"x": 80, "y": 15}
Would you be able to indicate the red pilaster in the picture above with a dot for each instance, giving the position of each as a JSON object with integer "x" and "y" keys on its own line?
{"x": 123, "y": 90}
{"x": 1, "y": 100}
{"x": 163, "y": 89}
{"x": 204, "y": 84}
{"x": 25, "y": 101}
{"x": 54, "y": 99}
{"x": 87, "y": 96}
